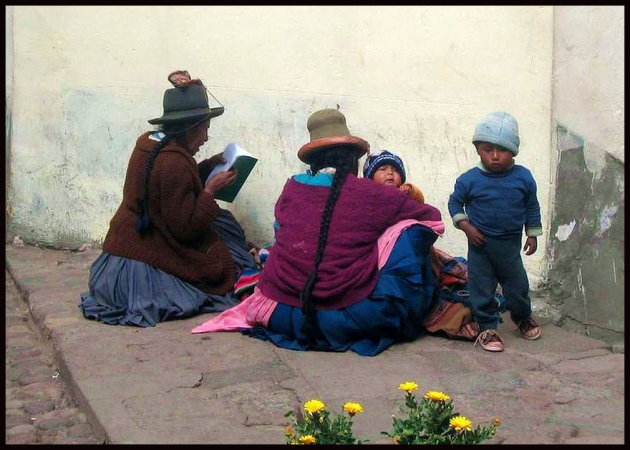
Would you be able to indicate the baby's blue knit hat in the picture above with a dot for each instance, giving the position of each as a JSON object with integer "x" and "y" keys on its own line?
{"x": 381, "y": 158}
{"x": 498, "y": 128}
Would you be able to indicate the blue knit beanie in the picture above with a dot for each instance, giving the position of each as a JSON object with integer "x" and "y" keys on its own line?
{"x": 498, "y": 128}
{"x": 381, "y": 158}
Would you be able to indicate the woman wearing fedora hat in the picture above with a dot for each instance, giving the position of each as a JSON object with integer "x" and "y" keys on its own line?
{"x": 170, "y": 251}
{"x": 349, "y": 268}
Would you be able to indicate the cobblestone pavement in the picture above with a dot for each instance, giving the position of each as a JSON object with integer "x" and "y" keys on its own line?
{"x": 38, "y": 406}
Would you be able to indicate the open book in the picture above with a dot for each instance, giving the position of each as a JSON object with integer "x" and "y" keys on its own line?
{"x": 242, "y": 161}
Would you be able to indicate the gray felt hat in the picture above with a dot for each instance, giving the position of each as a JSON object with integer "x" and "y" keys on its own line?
{"x": 187, "y": 103}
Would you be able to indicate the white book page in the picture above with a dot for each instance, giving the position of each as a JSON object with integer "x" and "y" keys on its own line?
{"x": 231, "y": 152}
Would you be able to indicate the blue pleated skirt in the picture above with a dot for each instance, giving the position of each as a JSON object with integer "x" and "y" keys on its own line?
{"x": 124, "y": 291}
{"x": 393, "y": 312}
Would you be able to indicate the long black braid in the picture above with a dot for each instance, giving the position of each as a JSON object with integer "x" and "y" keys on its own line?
{"x": 344, "y": 159}
{"x": 144, "y": 223}
{"x": 172, "y": 131}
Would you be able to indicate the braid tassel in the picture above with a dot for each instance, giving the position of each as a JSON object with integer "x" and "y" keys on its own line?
{"x": 308, "y": 307}
{"x": 143, "y": 222}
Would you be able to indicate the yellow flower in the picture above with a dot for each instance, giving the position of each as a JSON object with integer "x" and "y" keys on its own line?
{"x": 461, "y": 423}
{"x": 308, "y": 439}
{"x": 396, "y": 440}
{"x": 313, "y": 406}
{"x": 408, "y": 387}
{"x": 352, "y": 408}
{"x": 437, "y": 396}
{"x": 288, "y": 431}
{"x": 496, "y": 421}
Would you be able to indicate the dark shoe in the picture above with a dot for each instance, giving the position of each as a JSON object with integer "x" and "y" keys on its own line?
{"x": 529, "y": 328}
{"x": 490, "y": 340}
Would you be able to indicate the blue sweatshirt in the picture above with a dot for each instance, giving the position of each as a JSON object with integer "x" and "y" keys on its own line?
{"x": 498, "y": 204}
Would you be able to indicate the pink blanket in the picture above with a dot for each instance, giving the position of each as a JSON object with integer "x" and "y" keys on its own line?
{"x": 390, "y": 236}
{"x": 257, "y": 308}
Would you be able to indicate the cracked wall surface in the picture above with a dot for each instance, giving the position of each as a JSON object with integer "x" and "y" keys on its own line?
{"x": 586, "y": 275}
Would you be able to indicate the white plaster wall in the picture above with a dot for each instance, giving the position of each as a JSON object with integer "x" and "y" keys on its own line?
{"x": 411, "y": 79}
{"x": 8, "y": 97}
{"x": 588, "y": 87}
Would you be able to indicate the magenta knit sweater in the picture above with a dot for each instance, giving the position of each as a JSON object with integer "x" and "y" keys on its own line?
{"x": 348, "y": 271}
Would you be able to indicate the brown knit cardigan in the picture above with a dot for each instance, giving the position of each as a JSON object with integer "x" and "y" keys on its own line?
{"x": 180, "y": 242}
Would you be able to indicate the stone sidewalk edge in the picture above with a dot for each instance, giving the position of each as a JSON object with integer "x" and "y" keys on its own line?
{"x": 47, "y": 337}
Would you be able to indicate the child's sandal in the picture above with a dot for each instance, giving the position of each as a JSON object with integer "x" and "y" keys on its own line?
{"x": 529, "y": 328}
{"x": 490, "y": 341}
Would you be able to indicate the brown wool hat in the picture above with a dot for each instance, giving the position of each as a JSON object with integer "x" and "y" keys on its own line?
{"x": 328, "y": 128}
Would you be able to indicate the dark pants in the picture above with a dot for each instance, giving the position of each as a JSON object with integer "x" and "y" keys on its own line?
{"x": 498, "y": 261}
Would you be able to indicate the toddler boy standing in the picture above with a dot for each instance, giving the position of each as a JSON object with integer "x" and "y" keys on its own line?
{"x": 491, "y": 203}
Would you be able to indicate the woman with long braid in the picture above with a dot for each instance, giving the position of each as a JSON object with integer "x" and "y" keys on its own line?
{"x": 349, "y": 268}
{"x": 170, "y": 252}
